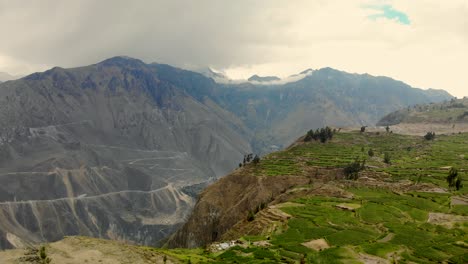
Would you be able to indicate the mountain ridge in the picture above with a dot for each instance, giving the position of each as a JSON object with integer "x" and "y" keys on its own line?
{"x": 105, "y": 142}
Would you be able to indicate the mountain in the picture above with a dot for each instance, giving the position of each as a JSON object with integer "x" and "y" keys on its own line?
{"x": 210, "y": 73}
{"x": 256, "y": 78}
{"x": 120, "y": 149}
{"x": 320, "y": 203}
{"x": 106, "y": 150}
{"x": 278, "y": 114}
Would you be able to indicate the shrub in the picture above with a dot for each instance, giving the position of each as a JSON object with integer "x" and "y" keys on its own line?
{"x": 323, "y": 134}
{"x": 453, "y": 179}
{"x": 429, "y": 136}
{"x": 250, "y": 216}
{"x": 352, "y": 170}
{"x": 43, "y": 255}
{"x": 256, "y": 160}
{"x": 387, "y": 158}
{"x": 370, "y": 153}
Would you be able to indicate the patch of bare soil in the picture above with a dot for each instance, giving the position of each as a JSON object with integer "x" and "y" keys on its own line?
{"x": 386, "y": 238}
{"x": 317, "y": 244}
{"x": 459, "y": 200}
{"x": 287, "y": 204}
{"x": 348, "y": 206}
{"x": 370, "y": 259}
{"x": 447, "y": 220}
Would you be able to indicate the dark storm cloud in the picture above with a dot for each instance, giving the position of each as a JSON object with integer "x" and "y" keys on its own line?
{"x": 243, "y": 37}
{"x": 179, "y": 32}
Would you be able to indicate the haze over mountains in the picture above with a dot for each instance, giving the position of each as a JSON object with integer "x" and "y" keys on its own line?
{"x": 119, "y": 149}
{"x": 7, "y": 77}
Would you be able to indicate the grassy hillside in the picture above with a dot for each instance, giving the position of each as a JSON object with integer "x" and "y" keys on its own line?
{"x": 453, "y": 111}
{"x": 396, "y": 212}
{"x": 401, "y": 211}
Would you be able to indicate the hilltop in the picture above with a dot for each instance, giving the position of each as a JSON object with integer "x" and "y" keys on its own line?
{"x": 448, "y": 112}
{"x": 442, "y": 118}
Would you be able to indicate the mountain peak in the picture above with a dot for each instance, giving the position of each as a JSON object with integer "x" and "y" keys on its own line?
{"x": 122, "y": 61}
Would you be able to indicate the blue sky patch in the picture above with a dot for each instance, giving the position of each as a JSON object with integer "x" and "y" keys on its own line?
{"x": 388, "y": 12}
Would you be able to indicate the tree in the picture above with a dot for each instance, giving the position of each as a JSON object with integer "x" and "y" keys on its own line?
{"x": 256, "y": 160}
{"x": 387, "y": 158}
{"x": 454, "y": 180}
{"x": 458, "y": 184}
{"x": 352, "y": 170}
{"x": 250, "y": 216}
{"x": 387, "y": 128}
{"x": 429, "y": 136}
{"x": 43, "y": 255}
{"x": 323, "y": 134}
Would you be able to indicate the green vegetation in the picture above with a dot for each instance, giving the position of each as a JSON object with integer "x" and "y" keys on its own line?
{"x": 387, "y": 158}
{"x": 429, "y": 136}
{"x": 352, "y": 170}
{"x": 383, "y": 222}
{"x": 323, "y": 134}
{"x": 455, "y": 110}
{"x": 453, "y": 179}
{"x": 44, "y": 259}
{"x": 386, "y": 223}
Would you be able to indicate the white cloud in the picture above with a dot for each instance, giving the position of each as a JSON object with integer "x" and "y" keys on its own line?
{"x": 242, "y": 38}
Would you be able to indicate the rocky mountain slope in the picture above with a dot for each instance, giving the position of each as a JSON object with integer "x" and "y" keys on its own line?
{"x": 278, "y": 114}
{"x": 302, "y": 205}
{"x": 105, "y": 151}
{"x": 119, "y": 149}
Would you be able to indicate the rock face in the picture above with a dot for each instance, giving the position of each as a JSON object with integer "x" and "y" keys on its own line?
{"x": 119, "y": 149}
{"x": 227, "y": 202}
{"x": 104, "y": 151}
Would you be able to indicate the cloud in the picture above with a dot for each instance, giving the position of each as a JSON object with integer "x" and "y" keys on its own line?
{"x": 388, "y": 12}
{"x": 243, "y": 37}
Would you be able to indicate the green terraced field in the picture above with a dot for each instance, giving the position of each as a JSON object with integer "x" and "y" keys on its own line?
{"x": 384, "y": 224}
{"x": 412, "y": 157}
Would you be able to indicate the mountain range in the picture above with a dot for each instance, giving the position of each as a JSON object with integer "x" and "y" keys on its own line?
{"x": 120, "y": 149}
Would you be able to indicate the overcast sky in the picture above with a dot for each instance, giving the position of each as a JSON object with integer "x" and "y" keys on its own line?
{"x": 421, "y": 42}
